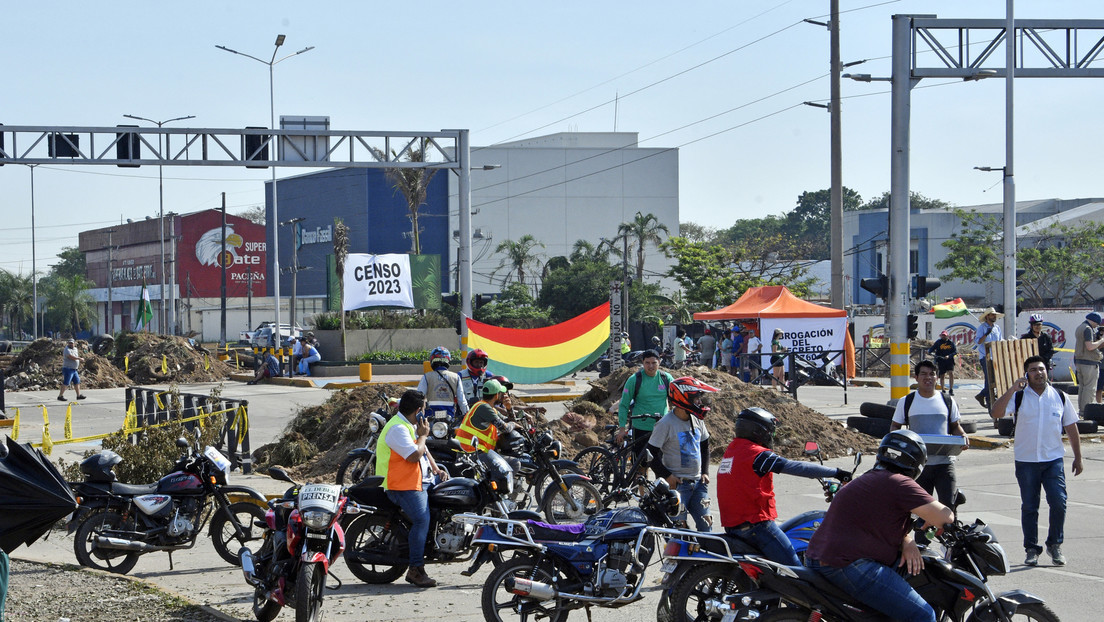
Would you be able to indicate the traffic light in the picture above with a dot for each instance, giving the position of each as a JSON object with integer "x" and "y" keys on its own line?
{"x": 913, "y": 327}
{"x": 482, "y": 299}
{"x": 878, "y": 286}
{"x": 1020, "y": 284}
{"x": 922, "y": 285}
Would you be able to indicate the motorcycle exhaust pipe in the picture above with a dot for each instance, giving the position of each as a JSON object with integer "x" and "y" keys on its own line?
{"x": 529, "y": 589}
{"x": 247, "y": 565}
{"x": 128, "y": 545}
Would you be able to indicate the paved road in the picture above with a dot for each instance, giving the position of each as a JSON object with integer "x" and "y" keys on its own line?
{"x": 985, "y": 475}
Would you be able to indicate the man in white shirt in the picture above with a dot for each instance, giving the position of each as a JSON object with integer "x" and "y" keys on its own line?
{"x": 1040, "y": 413}
{"x": 926, "y": 411}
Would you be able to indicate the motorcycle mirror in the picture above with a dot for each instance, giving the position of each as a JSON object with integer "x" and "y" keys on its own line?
{"x": 812, "y": 448}
{"x": 280, "y": 474}
{"x": 646, "y": 456}
{"x": 183, "y": 443}
{"x": 959, "y": 499}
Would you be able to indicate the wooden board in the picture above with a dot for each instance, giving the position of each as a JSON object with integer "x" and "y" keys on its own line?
{"x": 1007, "y": 359}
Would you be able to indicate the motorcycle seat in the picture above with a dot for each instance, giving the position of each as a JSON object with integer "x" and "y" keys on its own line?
{"x": 735, "y": 545}
{"x": 370, "y": 492}
{"x": 556, "y": 533}
{"x": 133, "y": 489}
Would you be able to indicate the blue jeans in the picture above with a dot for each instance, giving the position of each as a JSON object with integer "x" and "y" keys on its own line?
{"x": 695, "y": 496}
{"x": 1051, "y": 477}
{"x": 879, "y": 587}
{"x": 769, "y": 540}
{"x": 416, "y": 505}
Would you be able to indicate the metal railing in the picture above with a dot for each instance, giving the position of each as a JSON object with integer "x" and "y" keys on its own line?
{"x": 153, "y": 407}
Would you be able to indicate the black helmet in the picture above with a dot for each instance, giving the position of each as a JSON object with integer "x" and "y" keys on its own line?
{"x": 902, "y": 451}
{"x": 756, "y": 425}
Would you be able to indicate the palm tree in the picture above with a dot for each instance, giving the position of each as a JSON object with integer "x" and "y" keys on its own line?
{"x": 519, "y": 258}
{"x": 341, "y": 253}
{"x": 639, "y": 232}
{"x": 413, "y": 183}
{"x": 20, "y": 295}
{"x": 70, "y": 297}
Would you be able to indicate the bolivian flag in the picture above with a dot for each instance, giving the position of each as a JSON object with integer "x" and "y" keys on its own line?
{"x": 535, "y": 355}
{"x": 951, "y": 308}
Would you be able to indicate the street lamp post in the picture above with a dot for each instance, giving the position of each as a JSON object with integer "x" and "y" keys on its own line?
{"x": 272, "y": 62}
{"x": 34, "y": 269}
{"x": 165, "y": 318}
{"x": 294, "y": 222}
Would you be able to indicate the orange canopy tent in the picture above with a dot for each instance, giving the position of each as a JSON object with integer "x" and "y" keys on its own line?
{"x": 775, "y": 301}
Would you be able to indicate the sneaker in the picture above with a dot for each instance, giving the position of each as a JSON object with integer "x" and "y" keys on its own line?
{"x": 951, "y": 392}
{"x": 81, "y": 397}
{"x": 1055, "y": 553}
{"x": 1032, "y": 558}
{"x": 61, "y": 399}
{"x": 981, "y": 399}
{"x": 417, "y": 576}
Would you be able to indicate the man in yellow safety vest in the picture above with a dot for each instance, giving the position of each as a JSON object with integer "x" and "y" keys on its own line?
{"x": 483, "y": 423}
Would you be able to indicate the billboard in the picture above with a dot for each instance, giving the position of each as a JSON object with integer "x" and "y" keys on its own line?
{"x": 201, "y": 256}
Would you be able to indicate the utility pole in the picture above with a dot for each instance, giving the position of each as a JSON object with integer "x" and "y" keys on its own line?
{"x": 295, "y": 238}
{"x": 110, "y": 323}
{"x": 222, "y": 288}
{"x": 249, "y": 307}
{"x": 625, "y": 286}
{"x": 836, "y": 243}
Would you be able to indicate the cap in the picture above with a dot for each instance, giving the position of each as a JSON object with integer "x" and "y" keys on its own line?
{"x": 706, "y": 330}
{"x": 1094, "y": 317}
{"x": 492, "y": 386}
{"x": 944, "y": 334}
{"x": 74, "y": 340}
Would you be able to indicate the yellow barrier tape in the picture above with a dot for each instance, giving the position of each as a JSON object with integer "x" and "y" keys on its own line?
{"x": 130, "y": 429}
{"x": 15, "y": 426}
{"x": 206, "y": 362}
{"x": 68, "y": 430}
{"x": 47, "y": 445}
{"x": 130, "y": 421}
{"x": 237, "y": 362}
{"x": 241, "y": 422}
{"x": 126, "y": 364}
{"x": 164, "y": 364}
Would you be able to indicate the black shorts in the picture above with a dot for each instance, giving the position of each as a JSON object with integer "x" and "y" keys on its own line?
{"x": 776, "y": 361}
{"x": 944, "y": 365}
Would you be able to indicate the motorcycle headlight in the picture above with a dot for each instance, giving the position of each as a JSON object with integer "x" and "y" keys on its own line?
{"x": 439, "y": 429}
{"x": 509, "y": 482}
{"x": 373, "y": 425}
{"x": 316, "y": 519}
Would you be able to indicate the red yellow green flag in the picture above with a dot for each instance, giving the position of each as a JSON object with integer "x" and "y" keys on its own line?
{"x": 951, "y": 308}
{"x": 535, "y": 355}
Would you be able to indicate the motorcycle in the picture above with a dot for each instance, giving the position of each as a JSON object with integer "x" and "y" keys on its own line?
{"x": 558, "y": 487}
{"x": 378, "y": 550}
{"x": 559, "y": 568}
{"x": 700, "y": 569}
{"x": 302, "y": 538}
{"x": 361, "y": 462}
{"x": 954, "y": 583}
{"x": 117, "y": 523}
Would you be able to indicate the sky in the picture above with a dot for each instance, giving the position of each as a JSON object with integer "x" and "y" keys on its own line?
{"x": 721, "y": 81}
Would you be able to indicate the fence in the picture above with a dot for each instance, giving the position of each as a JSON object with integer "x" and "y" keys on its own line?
{"x": 148, "y": 407}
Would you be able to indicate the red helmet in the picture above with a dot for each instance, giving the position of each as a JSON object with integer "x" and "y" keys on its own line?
{"x": 477, "y": 359}
{"x": 686, "y": 393}
{"x": 504, "y": 381}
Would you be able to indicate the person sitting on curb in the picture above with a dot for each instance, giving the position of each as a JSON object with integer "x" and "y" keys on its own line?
{"x": 270, "y": 368}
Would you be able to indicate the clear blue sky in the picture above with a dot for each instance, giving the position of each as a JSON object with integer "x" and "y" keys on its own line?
{"x": 708, "y": 77}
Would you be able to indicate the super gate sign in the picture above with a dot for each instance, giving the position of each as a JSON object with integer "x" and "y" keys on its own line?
{"x": 377, "y": 281}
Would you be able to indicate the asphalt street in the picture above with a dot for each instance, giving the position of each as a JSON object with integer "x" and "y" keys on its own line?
{"x": 985, "y": 475}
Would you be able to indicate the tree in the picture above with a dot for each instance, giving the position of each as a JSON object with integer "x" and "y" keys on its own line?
{"x": 574, "y": 288}
{"x": 519, "y": 259}
{"x": 341, "y": 254}
{"x": 69, "y": 303}
{"x": 694, "y": 232}
{"x": 701, "y": 270}
{"x": 642, "y": 230}
{"x": 916, "y": 201}
{"x": 413, "y": 183}
{"x": 515, "y": 308}
{"x": 72, "y": 263}
{"x": 255, "y": 214}
{"x": 973, "y": 252}
{"x": 1060, "y": 263}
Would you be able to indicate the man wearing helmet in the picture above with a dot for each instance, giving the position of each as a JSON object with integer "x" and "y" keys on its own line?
{"x": 745, "y": 485}
{"x": 868, "y": 526}
{"x": 680, "y": 447}
{"x": 483, "y": 422}
{"x": 1035, "y": 331}
{"x": 474, "y": 375}
{"x": 444, "y": 394}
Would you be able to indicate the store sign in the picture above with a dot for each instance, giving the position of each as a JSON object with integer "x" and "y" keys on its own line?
{"x": 204, "y": 253}
{"x": 317, "y": 235}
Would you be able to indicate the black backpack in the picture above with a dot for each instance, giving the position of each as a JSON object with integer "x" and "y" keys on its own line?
{"x": 946, "y": 400}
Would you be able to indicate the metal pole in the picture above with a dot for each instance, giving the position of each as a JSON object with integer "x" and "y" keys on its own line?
{"x": 162, "y": 314}
{"x": 294, "y": 269}
{"x": 836, "y": 243}
{"x": 463, "y": 245}
{"x": 34, "y": 268}
{"x": 172, "y": 270}
{"x": 110, "y": 282}
{"x": 275, "y": 207}
{"x": 897, "y": 303}
{"x": 249, "y": 304}
{"x": 1009, "y": 182}
{"x": 222, "y": 287}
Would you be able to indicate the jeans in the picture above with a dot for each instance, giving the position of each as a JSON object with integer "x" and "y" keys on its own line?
{"x": 305, "y": 363}
{"x": 1051, "y": 477}
{"x": 416, "y": 505}
{"x": 985, "y": 376}
{"x": 769, "y": 540}
{"x": 879, "y": 587}
{"x": 695, "y": 496}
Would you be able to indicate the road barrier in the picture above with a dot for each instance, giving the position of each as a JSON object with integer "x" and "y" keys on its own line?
{"x": 146, "y": 408}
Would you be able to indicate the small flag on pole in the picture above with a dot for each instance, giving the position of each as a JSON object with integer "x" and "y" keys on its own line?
{"x": 951, "y": 308}
{"x": 145, "y": 310}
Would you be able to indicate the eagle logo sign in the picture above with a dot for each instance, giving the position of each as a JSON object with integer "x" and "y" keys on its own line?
{"x": 209, "y": 247}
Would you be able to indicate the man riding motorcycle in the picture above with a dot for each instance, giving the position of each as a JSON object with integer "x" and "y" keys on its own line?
{"x": 442, "y": 388}
{"x": 483, "y": 423}
{"x": 474, "y": 375}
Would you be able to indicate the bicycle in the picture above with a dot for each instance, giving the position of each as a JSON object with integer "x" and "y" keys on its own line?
{"x": 612, "y": 467}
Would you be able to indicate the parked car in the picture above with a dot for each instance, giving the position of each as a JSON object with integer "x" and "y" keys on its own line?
{"x": 246, "y": 336}
{"x": 262, "y": 338}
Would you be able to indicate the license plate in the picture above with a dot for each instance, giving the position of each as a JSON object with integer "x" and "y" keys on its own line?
{"x": 729, "y": 617}
{"x": 668, "y": 567}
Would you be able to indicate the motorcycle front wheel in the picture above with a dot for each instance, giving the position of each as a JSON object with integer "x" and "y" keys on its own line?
{"x": 224, "y": 535}
{"x": 499, "y": 604}
{"x": 354, "y": 469}
{"x": 308, "y": 593}
{"x": 375, "y": 534}
{"x": 699, "y": 592}
{"x": 1038, "y": 612}
{"x": 579, "y": 502}
{"x": 91, "y": 556}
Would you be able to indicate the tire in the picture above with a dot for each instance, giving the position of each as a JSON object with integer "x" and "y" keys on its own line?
{"x": 1068, "y": 388}
{"x": 527, "y": 568}
{"x": 709, "y": 582}
{"x": 581, "y": 501}
{"x": 1005, "y": 427}
{"x": 1094, "y": 412}
{"x": 90, "y": 556}
{"x": 354, "y": 469}
{"x": 308, "y": 593}
{"x": 224, "y": 535}
{"x": 1039, "y": 612}
{"x": 968, "y": 427}
{"x": 597, "y": 464}
{"x": 876, "y": 411}
{"x": 869, "y": 426}
{"x": 378, "y": 534}
{"x": 265, "y": 609}
{"x": 103, "y": 344}
{"x": 1086, "y": 427}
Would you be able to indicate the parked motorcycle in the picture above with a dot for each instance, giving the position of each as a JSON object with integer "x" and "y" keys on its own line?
{"x": 116, "y": 523}
{"x": 954, "y": 583}
{"x": 557, "y": 487}
{"x": 701, "y": 568}
{"x": 361, "y": 462}
{"x": 378, "y": 551}
{"x": 302, "y": 538}
{"x": 559, "y": 568}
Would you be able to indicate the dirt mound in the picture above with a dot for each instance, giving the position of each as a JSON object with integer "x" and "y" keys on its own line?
{"x": 162, "y": 359}
{"x": 38, "y": 368}
{"x": 797, "y": 423}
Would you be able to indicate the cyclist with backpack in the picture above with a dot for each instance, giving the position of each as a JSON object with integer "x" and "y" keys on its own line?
{"x": 927, "y": 411}
{"x": 645, "y": 392}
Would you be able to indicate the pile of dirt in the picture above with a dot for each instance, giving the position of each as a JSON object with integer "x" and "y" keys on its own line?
{"x": 38, "y": 368}
{"x": 797, "y": 423}
{"x": 166, "y": 359}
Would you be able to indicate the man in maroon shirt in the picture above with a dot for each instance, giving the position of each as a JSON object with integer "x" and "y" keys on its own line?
{"x": 868, "y": 531}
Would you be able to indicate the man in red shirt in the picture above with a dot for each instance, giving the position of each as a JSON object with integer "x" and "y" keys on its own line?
{"x": 745, "y": 485}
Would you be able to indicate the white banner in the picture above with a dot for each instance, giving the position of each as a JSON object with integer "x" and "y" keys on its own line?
{"x": 377, "y": 281}
{"x": 810, "y": 333}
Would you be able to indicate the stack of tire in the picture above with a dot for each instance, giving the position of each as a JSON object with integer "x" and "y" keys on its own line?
{"x": 875, "y": 419}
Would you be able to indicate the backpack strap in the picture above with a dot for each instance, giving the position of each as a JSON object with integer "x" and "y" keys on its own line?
{"x": 947, "y": 402}
{"x": 636, "y": 391}
{"x": 908, "y": 404}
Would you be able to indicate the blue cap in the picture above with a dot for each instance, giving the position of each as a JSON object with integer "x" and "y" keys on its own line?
{"x": 1094, "y": 317}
